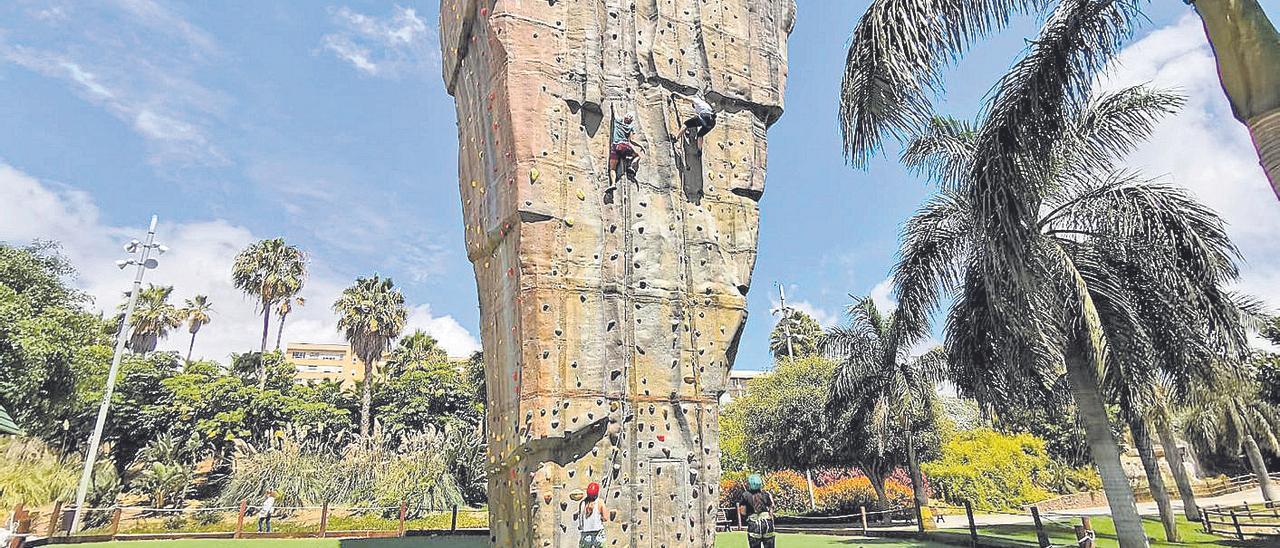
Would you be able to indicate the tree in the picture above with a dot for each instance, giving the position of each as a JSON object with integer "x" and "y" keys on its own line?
{"x": 804, "y": 332}
{"x": 283, "y": 311}
{"x": 196, "y": 312}
{"x": 418, "y": 350}
{"x": 371, "y": 314}
{"x": 1247, "y": 48}
{"x": 1229, "y": 413}
{"x": 153, "y": 317}
{"x": 888, "y": 391}
{"x": 1035, "y": 229}
{"x": 271, "y": 271}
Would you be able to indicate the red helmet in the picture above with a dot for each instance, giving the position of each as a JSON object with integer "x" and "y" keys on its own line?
{"x": 593, "y": 490}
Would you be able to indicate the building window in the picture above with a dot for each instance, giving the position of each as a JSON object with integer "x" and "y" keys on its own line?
{"x": 299, "y": 355}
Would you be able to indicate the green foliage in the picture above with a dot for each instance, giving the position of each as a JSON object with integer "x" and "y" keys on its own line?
{"x": 733, "y": 440}
{"x": 783, "y": 417}
{"x": 153, "y": 317}
{"x": 421, "y": 397}
{"x": 416, "y": 470}
{"x": 848, "y": 495}
{"x": 417, "y": 350}
{"x": 31, "y": 473}
{"x": 789, "y": 489}
{"x": 997, "y": 471}
{"x": 804, "y": 335}
{"x": 371, "y": 314}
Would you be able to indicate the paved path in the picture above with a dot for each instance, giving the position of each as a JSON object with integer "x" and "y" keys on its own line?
{"x": 1146, "y": 508}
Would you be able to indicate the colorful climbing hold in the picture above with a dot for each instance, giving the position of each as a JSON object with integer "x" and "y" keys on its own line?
{"x": 534, "y": 174}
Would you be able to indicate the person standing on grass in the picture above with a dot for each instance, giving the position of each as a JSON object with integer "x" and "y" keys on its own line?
{"x": 757, "y": 506}
{"x": 264, "y": 513}
{"x": 591, "y": 518}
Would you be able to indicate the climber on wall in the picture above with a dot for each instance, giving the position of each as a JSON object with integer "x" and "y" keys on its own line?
{"x": 757, "y": 506}
{"x": 591, "y": 518}
{"x": 622, "y": 149}
{"x": 703, "y": 120}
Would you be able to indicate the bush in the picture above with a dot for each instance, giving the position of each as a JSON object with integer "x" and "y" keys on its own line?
{"x": 991, "y": 470}
{"x": 175, "y": 522}
{"x": 789, "y": 489}
{"x": 847, "y": 495}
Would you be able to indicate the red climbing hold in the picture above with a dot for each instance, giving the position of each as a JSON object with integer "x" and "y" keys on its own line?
{"x": 662, "y": 437}
{"x": 484, "y": 12}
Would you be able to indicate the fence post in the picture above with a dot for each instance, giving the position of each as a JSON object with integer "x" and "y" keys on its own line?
{"x": 22, "y": 525}
{"x": 1041, "y": 537}
{"x": 324, "y": 519}
{"x": 1204, "y": 517}
{"x": 54, "y": 518}
{"x": 404, "y": 511}
{"x": 115, "y": 521}
{"x": 737, "y": 516}
{"x": 863, "y": 510}
{"x": 1236, "y": 522}
{"x": 973, "y": 526}
{"x": 1086, "y": 522}
{"x": 453, "y": 522}
{"x": 244, "y": 506}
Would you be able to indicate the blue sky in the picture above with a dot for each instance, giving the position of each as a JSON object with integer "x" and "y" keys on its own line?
{"x": 327, "y": 124}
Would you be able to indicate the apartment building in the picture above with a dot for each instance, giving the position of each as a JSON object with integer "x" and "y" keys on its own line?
{"x": 317, "y": 362}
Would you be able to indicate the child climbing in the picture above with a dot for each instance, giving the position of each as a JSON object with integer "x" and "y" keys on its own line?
{"x": 591, "y": 518}
{"x": 757, "y": 505}
{"x": 622, "y": 149}
{"x": 703, "y": 120}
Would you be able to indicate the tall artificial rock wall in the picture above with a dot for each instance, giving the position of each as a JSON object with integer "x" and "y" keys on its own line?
{"x": 610, "y": 319}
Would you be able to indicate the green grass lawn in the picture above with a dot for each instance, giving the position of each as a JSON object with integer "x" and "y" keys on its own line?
{"x": 1189, "y": 534}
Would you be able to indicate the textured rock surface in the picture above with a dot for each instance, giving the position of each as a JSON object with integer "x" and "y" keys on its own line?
{"x": 609, "y": 324}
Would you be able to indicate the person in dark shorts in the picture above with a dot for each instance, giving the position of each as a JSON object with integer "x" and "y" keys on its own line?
{"x": 703, "y": 120}
{"x": 622, "y": 148}
{"x": 757, "y": 506}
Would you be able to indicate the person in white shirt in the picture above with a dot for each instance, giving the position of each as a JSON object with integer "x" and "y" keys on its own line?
{"x": 591, "y": 518}
{"x": 703, "y": 120}
{"x": 264, "y": 513}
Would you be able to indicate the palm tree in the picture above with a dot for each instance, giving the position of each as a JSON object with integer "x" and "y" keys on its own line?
{"x": 1164, "y": 419}
{"x": 416, "y": 350}
{"x": 283, "y": 311}
{"x": 889, "y": 391}
{"x": 371, "y": 314}
{"x": 271, "y": 271}
{"x": 196, "y": 311}
{"x": 153, "y": 317}
{"x": 1228, "y": 413}
{"x": 900, "y": 49}
{"x": 804, "y": 333}
{"x": 1035, "y": 226}
{"x": 1247, "y": 48}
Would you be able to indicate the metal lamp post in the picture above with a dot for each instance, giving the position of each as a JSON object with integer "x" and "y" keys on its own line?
{"x": 144, "y": 262}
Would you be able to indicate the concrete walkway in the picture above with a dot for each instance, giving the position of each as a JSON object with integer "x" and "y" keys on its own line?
{"x": 1146, "y": 508}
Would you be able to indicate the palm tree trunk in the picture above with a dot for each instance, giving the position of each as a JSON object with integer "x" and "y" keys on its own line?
{"x": 1259, "y": 467}
{"x": 1247, "y": 49}
{"x": 917, "y": 481}
{"x": 191, "y": 346}
{"x": 366, "y": 399}
{"x": 1151, "y": 465}
{"x": 266, "y": 328}
{"x": 1105, "y": 452}
{"x": 808, "y": 481}
{"x": 877, "y": 483}
{"x": 280, "y": 330}
{"x": 1179, "y": 470}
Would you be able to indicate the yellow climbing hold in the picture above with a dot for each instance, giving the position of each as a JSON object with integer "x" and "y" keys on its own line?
{"x": 474, "y": 183}
{"x": 568, "y": 221}
{"x": 534, "y": 174}
{"x": 581, "y": 196}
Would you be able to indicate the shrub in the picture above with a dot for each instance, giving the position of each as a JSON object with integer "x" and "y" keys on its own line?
{"x": 789, "y": 489}
{"x": 847, "y": 495}
{"x": 30, "y": 473}
{"x": 732, "y": 484}
{"x": 175, "y": 522}
{"x": 990, "y": 469}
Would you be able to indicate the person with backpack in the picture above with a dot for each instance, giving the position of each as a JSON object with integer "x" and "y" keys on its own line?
{"x": 591, "y": 517}
{"x": 757, "y": 506}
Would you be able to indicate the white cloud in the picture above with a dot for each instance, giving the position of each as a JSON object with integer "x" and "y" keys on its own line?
{"x": 1205, "y": 149}
{"x": 199, "y": 263}
{"x": 882, "y": 295}
{"x": 399, "y": 44}
{"x": 160, "y": 19}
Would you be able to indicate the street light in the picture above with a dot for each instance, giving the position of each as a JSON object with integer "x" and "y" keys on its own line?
{"x": 144, "y": 262}
{"x": 785, "y": 311}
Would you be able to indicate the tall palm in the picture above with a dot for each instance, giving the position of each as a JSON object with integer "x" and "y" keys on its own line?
{"x": 270, "y": 271}
{"x": 196, "y": 311}
{"x": 796, "y": 332}
{"x": 153, "y": 317}
{"x": 1166, "y": 401}
{"x": 889, "y": 391}
{"x": 283, "y": 310}
{"x": 1247, "y": 48}
{"x": 371, "y": 313}
{"x": 416, "y": 350}
{"x": 1228, "y": 413}
{"x": 1032, "y": 230}
{"x": 900, "y": 48}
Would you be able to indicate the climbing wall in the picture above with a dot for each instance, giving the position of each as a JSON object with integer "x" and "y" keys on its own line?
{"x": 610, "y": 317}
